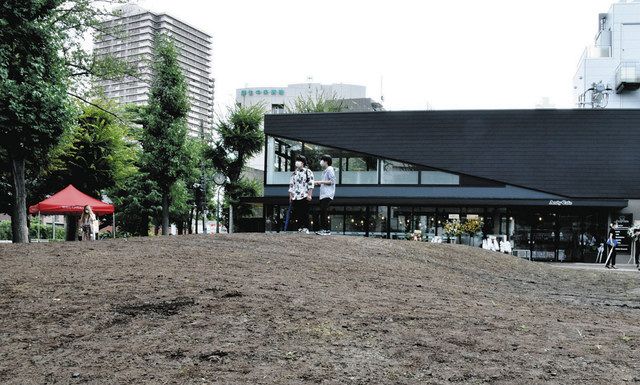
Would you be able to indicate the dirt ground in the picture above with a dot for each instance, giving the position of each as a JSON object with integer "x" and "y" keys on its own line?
{"x": 287, "y": 309}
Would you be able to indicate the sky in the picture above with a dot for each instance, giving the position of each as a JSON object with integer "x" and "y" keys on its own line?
{"x": 462, "y": 54}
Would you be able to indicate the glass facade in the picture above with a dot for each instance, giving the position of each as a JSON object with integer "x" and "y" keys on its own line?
{"x": 351, "y": 168}
{"x": 538, "y": 234}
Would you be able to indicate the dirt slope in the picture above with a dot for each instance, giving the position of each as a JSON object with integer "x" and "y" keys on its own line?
{"x": 264, "y": 309}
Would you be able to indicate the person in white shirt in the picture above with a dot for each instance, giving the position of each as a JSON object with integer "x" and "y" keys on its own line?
{"x": 327, "y": 193}
{"x": 300, "y": 193}
{"x": 86, "y": 223}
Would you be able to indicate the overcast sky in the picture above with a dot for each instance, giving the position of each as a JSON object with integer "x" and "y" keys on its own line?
{"x": 461, "y": 54}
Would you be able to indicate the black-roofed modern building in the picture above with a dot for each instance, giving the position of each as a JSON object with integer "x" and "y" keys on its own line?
{"x": 548, "y": 181}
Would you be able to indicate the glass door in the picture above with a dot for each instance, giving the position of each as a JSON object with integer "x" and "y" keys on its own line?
{"x": 543, "y": 237}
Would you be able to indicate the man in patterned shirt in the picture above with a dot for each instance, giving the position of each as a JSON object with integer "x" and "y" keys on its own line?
{"x": 300, "y": 193}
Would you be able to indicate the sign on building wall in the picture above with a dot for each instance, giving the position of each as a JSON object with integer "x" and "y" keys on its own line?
{"x": 272, "y": 92}
{"x": 623, "y": 222}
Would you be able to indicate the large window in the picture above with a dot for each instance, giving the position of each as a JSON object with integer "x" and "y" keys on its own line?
{"x": 281, "y": 154}
{"x": 398, "y": 173}
{"x": 350, "y": 167}
{"x": 439, "y": 178}
{"x": 313, "y": 153}
{"x": 359, "y": 169}
{"x": 400, "y": 222}
{"x": 378, "y": 221}
{"x": 355, "y": 217}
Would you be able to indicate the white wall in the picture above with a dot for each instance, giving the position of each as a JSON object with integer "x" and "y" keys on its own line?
{"x": 622, "y": 20}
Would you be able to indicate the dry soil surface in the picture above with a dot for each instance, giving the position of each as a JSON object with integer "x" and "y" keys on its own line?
{"x": 287, "y": 309}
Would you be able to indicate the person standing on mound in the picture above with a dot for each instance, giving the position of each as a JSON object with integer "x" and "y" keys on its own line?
{"x": 86, "y": 223}
{"x": 327, "y": 193}
{"x": 300, "y": 193}
{"x": 612, "y": 243}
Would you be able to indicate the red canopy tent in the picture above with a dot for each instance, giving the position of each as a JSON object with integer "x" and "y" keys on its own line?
{"x": 71, "y": 201}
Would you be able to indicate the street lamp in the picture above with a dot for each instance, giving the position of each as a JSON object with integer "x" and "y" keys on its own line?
{"x": 219, "y": 179}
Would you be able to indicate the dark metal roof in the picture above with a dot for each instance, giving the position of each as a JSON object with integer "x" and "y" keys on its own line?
{"x": 574, "y": 153}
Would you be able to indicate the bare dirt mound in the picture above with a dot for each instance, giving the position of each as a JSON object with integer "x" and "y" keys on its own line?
{"x": 264, "y": 309}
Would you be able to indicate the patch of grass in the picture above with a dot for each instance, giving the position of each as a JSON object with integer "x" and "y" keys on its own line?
{"x": 326, "y": 330}
{"x": 626, "y": 338}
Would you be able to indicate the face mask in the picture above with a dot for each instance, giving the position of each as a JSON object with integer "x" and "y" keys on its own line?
{"x": 323, "y": 163}
{"x": 298, "y": 164}
{"x": 86, "y": 211}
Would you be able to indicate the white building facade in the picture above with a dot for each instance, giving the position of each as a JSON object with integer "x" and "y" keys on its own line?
{"x": 608, "y": 74}
{"x": 137, "y": 29}
{"x": 278, "y": 99}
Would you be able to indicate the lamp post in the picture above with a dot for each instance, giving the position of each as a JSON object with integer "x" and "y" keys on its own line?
{"x": 197, "y": 203}
{"x": 219, "y": 179}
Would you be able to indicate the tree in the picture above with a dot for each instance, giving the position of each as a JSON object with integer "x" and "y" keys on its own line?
{"x": 33, "y": 87}
{"x": 317, "y": 103}
{"x": 165, "y": 130}
{"x": 239, "y": 138}
{"x": 96, "y": 154}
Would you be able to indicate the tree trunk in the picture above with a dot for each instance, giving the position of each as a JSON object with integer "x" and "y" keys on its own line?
{"x": 190, "y": 228}
{"x": 165, "y": 213}
{"x": 72, "y": 227}
{"x": 19, "y": 227}
{"x": 196, "y": 221}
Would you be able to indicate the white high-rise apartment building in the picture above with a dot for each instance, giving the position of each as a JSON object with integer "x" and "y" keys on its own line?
{"x": 137, "y": 28}
{"x": 612, "y": 64}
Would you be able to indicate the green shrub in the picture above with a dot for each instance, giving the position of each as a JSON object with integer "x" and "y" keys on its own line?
{"x": 46, "y": 232}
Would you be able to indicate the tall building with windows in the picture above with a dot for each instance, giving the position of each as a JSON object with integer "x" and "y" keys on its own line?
{"x": 136, "y": 29}
{"x": 608, "y": 74}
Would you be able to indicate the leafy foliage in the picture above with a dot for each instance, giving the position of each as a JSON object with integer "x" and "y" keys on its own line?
{"x": 317, "y": 103}
{"x": 165, "y": 126}
{"x": 240, "y": 137}
{"x": 96, "y": 154}
{"x": 46, "y": 232}
{"x": 453, "y": 228}
{"x": 137, "y": 200}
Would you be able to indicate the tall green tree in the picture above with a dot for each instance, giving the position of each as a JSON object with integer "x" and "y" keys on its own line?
{"x": 96, "y": 154}
{"x": 33, "y": 89}
{"x": 165, "y": 130}
{"x": 240, "y": 137}
{"x": 137, "y": 201}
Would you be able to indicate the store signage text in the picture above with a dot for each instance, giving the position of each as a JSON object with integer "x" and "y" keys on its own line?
{"x": 560, "y": 203}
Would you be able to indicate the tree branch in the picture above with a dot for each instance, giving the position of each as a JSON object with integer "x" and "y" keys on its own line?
{"x": 96, "y": 106}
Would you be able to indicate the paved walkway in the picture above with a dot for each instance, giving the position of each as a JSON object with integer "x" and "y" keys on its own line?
{"x": 621, "y": 267}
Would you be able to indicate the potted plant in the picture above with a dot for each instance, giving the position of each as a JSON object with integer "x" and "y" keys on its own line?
{"x": 452, "y": 229}
{"x": 471, "y": 227}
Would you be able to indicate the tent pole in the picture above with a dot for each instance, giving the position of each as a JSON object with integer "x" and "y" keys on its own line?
{"x": 114, "y": 224}
{"x": 53, "y": 229}
{"x": 39, "y": 220}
